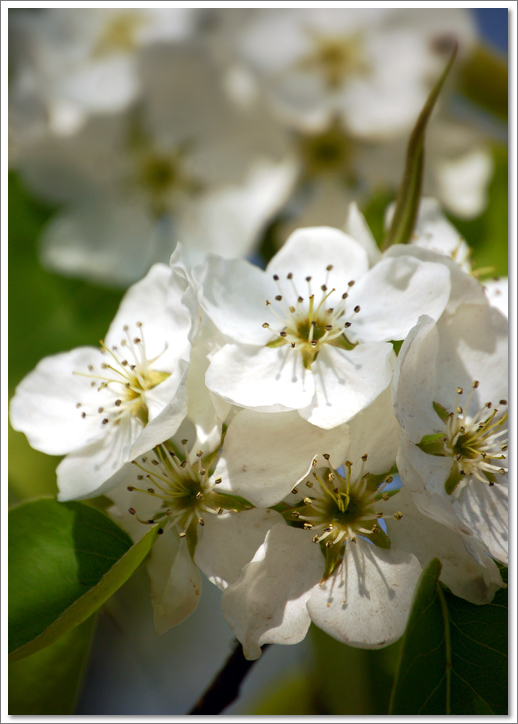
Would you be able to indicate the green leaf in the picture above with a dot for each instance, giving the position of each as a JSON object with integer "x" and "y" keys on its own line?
{"x": 407, "y": 202}
{"x": 48, "y": 682}
{"x": 454, "y": 654}
{"x": 293, "y": 695}
{"x": 484, "y": 79}
{"x": 65, "y": 561}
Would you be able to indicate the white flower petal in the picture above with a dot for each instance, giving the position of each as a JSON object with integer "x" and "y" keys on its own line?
{"x": 346, "y": 381}
{"x": 367, "y": 601}
{"x": 392, "y": 296}
{"x": 88, "y": 472}
{"x": 233, "y": 293}
{"x": 426, "y": 539}
{"x": 414, "y": 381}
{"x": 309, "y": 252}
{"x": 484, "y": 511}
{"x": 267, "y": 604}
{"x": 264, "y": 456}
{"x": 497, "y": 292}
{"x": 175, "y": 581}
{"x": 374, "y": 431}
{"x": 44, "y": 404}
{"x": 464, "y": 287}
{"x": 357, "y": 227}
{"x": 265, "y": 379}
{"x": 229, "y": 541}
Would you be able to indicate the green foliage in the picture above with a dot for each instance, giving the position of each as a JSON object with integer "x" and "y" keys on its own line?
{"x": 351, "y": 681}
{"x": 484, "y": 80}
{"x": 454, "y": 654}
{"x": 48, "y": 682}
{"x": 292, "y": 696}
{"x": 65, "y": 561}
{"x": 407, "y": 202}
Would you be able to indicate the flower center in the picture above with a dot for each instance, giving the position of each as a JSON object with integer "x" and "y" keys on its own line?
{"x": 162, "y": 173}
{"x": 182, "y": 492}
{"x": 340, "y": 508}
{"x": 477, "y": 444}
{"x": 119, "y": 34}
{"x": 310, "y": 323}
{"x": 124, "y": 380}
{"x": 337, "y": 59}
{"x": 326, "y": 153}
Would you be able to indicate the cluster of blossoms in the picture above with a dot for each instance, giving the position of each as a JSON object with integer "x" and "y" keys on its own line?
{"x": 308, "y": 437}
{"x": 149, "y": 125}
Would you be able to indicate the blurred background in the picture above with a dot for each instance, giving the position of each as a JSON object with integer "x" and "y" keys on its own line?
{"x": 130, "y": 132}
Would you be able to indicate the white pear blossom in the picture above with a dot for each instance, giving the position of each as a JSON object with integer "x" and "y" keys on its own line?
{"x": 94, "y": 405}
{"x": 312, "y": 332}
{"x": 182, "y": 165}
{"x": 200, "y": 527}
{"x": 497, "y": 293}
{"x": 450, "y": 398}
{"x": 349, "y": 63}
{"x": 76, "y": 62}
{"x": 352, "y": 565}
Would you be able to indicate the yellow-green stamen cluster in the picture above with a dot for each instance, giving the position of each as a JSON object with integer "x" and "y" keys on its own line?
{"x": 183, "y": 490}
{"x": 309, "y": 324}
{"x": 127, "y": 375}
{"x": 340, "y": 508}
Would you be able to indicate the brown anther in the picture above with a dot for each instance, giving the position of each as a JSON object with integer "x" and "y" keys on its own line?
{"x": 308, "y": 279}
{"x": 379, "y": 515}
{"x": 289, "y": 276}
{"x": 217, "y": 481}
{"x": 347, "y": 325}
{"x": 220, "y": 511}
{"x": 139, "y": 477}
{"x": 458, "y": 410}
{"x": 309, "y": 484}
{"x": 329, "y": 543}
{"x": 90, "y": 367}
{"x": 105, "y": 421}
{"x": 385, "y": 496}
{"x": 118, "y": 403}
{"x": 292, "y": 309}
{"x": 364, "y": 458}
{"x": 389, "y": 479}
{"x": 502, "y": 471}
{"x": 489, "y": 405}
{"x": 201, "y": 522}
{"x": 183, "y": 464}
{"x": 283, "y": 333}
{"x": 202, "y": 471}
{"x": 199, "y": 496}
{"x": 292, "y": 345}
{"x": 357, "y": 308}
{"x": 278, "y": 297}
{"x": 313, "y": 343}
{"x": 155, "y": 462}
{"x": 329, "y": 327}
{"x": 314, "y": 462}
{"x": 295, "y": 514}
{"x": 475, "y": 384}
{"x": 265, "y": 325}
{"x": 307, "y": 526}
{"x": 398, "y": 515}
{"x": 182, "y": 534}
{"x": 124, "y": 362}
{"x": 150, "y": 490}
{"x": 275, "y": 277}
{"x": 323, "y": 288}
{"x": 185, "y": 441}
{"x": 300, "y": 300}
{"x": 131, "y": 511}
{"x": 328, "y": 529}
{"x": 315, "y": 539}
{"x": 199, "y": 453}
{"x": 326, "y": 456}
{"x": 503, "y": 402}
{"x": 78, "y": 404}
{"x": 345, "y": 295}
{"x": 313, "y": 323}
{"x": 294, "y": 491}
{"x": 308, "y": 501}
{"x": 459, "y": 390}
{"x": 504, "y": 448}
{"x": 351, "y": 283}
{"x": 130, "y": 488}
{"x": 83, "y": 415}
